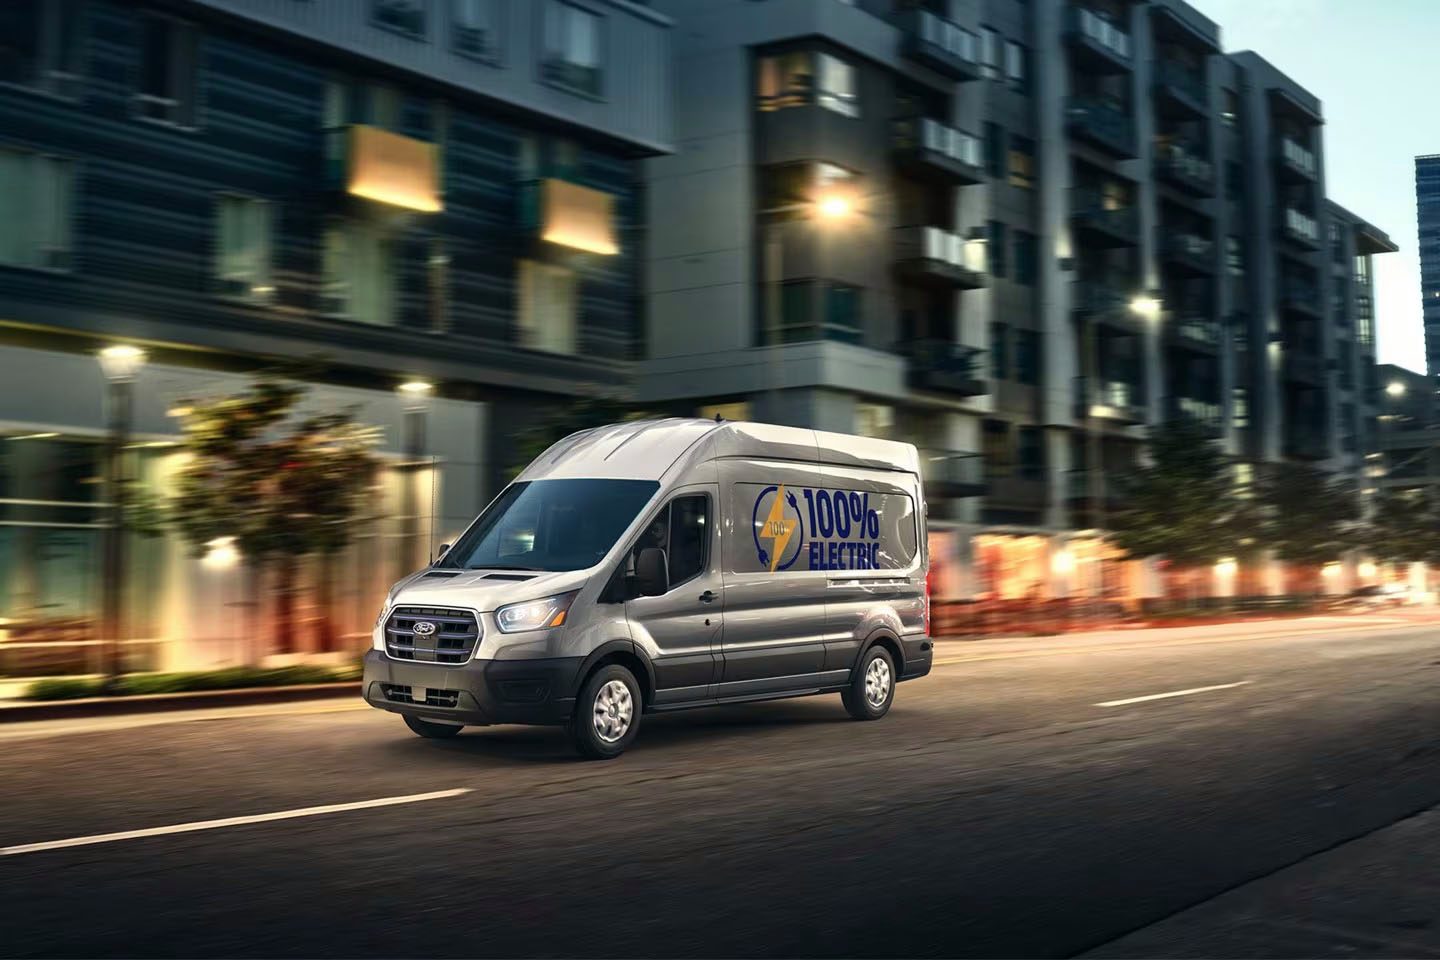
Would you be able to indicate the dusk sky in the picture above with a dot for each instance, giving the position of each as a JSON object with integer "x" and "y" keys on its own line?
{"x": 1374, "y": 67}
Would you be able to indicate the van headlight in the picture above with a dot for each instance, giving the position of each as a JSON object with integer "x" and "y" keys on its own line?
{"x": 535, "y": 614}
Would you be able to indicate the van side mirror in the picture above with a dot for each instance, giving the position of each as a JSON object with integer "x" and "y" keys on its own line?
{"x": 444, "y": 549}
{"x": 652, "y": 572}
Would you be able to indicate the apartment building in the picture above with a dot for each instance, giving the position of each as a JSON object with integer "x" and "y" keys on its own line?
{"x": 445, "y": 194}
{"x": 1018, "y": 233}
{"x": 1427, "y": 205}
{"x": 1407, "y": 450}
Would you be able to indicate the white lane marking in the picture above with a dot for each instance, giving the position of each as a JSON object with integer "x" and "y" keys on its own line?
{"x": 228, "y": 822}
{"x": 1172, "y": 693}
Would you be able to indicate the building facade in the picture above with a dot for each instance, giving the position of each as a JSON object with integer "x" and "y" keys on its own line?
{"x": 376, "y": 191}
{"x": 1017, "y": 234}
{"x": 1427, "y": 208}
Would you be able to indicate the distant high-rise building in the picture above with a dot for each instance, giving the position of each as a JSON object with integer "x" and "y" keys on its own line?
{"x": 1427, "y": 204}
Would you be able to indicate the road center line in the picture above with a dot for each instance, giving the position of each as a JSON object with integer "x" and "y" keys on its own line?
{"x": 1172, "y": 693}
{"x": 228, "y": 822}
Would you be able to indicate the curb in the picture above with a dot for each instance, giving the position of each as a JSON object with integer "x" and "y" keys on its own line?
{"x": 160, "y": 702}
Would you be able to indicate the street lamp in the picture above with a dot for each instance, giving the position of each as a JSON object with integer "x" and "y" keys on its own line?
{"x": 1395, "y": 388}
{"x": 416, "y": 397}
{"x": 120, "y": 363}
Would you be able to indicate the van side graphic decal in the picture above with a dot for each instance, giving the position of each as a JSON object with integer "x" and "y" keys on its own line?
{"x": 782, "y": 523}
{"x": 811, "y": 528}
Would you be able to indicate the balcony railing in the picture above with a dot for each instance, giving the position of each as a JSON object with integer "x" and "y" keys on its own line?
{"x": 1183, "y": 85}
{"x": 1300, "y": 227}
{"x": 1102, "y": 298}
{"x": 946, "y": 367}
{"x": 941, "y": 45}
{"x": 1297, "y": 158}
{"x": 1108, "y": 399}
{"x": 1197, "y": 328}
{"x": 1103, "y": 123}
{"x": 1115, "y": 225}
{"x": 952, "y": 473}
{"x": 935, "y": 254}
{"x": 1192, "y": 252}
{"x": 952, "y": 153}
{"x": 1182, "y": 165}
{"x": 1107, "y": 45}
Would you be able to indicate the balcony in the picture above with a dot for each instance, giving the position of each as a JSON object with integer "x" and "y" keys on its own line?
{"x": 950, "y": 473}
{"x": 945, "y": 47}
{"x": 1189, "y": 253}
{"x": 1300, "y": 297}
{"x": 1118, "y": 401}
{"x": 1295, "y": 160}
{"x": 1104, "y": 299}
{"x": 1097, "y": 42}
{"x": 1194, "y": 329}
{"x": 938, "y": 258}
{"x": 1105, "y": 222}
{"x": 1103, "y": 124}
{"x": 566, "y": 214}
{"x": 1300, "y": 229}
{"x": 941, "y": 366}
{"x": 929, "y": 149}
{"x": 1207, "y": 415}
{"x": 375, "y": 164}
{"x": 1180, "y": 90}
{"x": 1183, "y": 166}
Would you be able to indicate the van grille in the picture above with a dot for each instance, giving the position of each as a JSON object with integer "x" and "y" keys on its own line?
{"x": 399, "y": 693}
{"x": 452, "y": 641}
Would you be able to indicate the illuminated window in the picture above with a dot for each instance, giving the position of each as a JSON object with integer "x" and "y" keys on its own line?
{"x": 804, "y": 77}
{"x": 1022, "y": 162}
{"x": 549, "y": 300}
{"x": 874, "y": 419}
{"x": 358, "y": 269}
{"x": 36, "y": 209}
{"x": 475, "y": 26}
{"x": 573, "y": 57}
{"x": 243, "y": 233}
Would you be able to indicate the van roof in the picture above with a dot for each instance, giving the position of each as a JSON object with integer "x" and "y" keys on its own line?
{"x": 649, "y": 449}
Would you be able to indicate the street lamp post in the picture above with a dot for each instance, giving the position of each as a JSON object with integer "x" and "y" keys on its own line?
{"x": 120, "y": 364}
{"x": 415, "y": 399}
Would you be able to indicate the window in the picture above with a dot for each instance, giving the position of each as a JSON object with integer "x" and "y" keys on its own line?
{"x": 996, "y": 249}
{"x": 375, "y": 104}
{"x": 874, "y": 420}
{"x": 685, "y": 536}
{"x": 989, "y": 53}
{"x": 1240, "y": 416}
{"x": 999, "y": 351}
{"x": 1022, "y": 162}
{"x": 737, "y": 411}
{"x": 995, "y": 448}
{"x": 37, "y": 195}
{"x": 437, "y": 286}
{"x": 475, "y": 26}
{"x": 1027, "y": 357}
{"x": 842, "y": 314}
{"x": 169, "y": 51}
{"x": 1230, "y": 110}
{"x": 359, "y": 273}
{"x": 243, "y": 230}
{"x": 1027, "y": 262}
{"x": 1031, "y": 449}
{"x": 572, "y": 47}
{"x": 548, "y": 301}
{"x": 402, "y": 16}
{"x": 1016, "y": 66}
{"x": 42, "y": 45}
{"x": 995, "y": 150}
{"x": 836, "y": 89}
{"x": 803, "y": 78}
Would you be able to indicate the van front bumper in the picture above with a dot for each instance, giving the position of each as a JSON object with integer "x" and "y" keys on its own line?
{"x": 475, "y": 693}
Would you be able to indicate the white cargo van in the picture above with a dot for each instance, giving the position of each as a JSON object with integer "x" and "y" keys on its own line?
{"x": 664, "y": 564}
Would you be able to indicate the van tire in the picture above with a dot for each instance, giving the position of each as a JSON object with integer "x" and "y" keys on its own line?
{"x": 874, "y": 675}
{"x": 432, "y": 731}
{"x": 611, "y": 695}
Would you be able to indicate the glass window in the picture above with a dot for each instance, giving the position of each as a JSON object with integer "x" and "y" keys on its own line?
{"x": 996, "y": 249}
{"x": 572, "y": 47}
{"x": 476, "y": 28}
{"x": 402, "y": 16}
{"x": 359, "y": 273}
{"x": 797, "y": 321}
{"x": 995, "y": 150}
{"x": 548, "y": 307}
{"x": 689, "y": 539}
{"x": 1027, "y": 357}
{"x": 1235, "y": 256}
{"x": 1026, "y": 258}
{"x": 842, "y": 313}
{"x": 836, "y": 89}
{"x": 989, "y": 53}
{"x": 437, "y": 286}
{"x": 1022, "y": 162}
{"x": 1240, "y": 415}
{"x": 243, "y": 229}
{"x": 551, "y": 525}
{"x": 999, "y": 350}
{"x": 786, "y": 80}
{"x": 42, "y": 45}
{"x": 1031, "y": 449}
{"x": 1016, "y": 71}
{"x": 1230, "y": 110}
{"x": 37, "y": 195}
{"x": 169, "y": 52}
{"x": 874, "y": 419}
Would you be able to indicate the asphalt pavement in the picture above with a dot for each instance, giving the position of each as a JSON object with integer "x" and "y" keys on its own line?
{"x": 1259, "y": 790}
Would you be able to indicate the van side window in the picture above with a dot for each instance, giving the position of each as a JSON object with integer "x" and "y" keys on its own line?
{"x": 688, "y": 537}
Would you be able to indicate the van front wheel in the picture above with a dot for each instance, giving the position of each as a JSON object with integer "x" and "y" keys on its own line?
{"x": 607, "y": 713}
{"x": 872, "y": 688}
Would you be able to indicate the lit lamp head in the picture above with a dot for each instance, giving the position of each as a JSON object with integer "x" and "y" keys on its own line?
{"x": 1395, "y": 388}
{"x": 1062, "y": 563}
{"x": 1146, "y": 306}
{"x": 1226, "y": 567}
{"x": 833, "y": 206}
{"x": 121, "y": 362}
{"x": 415, "y": 395}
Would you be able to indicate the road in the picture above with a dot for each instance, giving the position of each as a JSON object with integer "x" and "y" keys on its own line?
{"x": 1029, "y": 798}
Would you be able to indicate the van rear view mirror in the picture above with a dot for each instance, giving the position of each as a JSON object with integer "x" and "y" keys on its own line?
{"x": 652, "y": 574}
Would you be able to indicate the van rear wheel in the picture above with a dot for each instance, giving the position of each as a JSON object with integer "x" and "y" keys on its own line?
{"x": 607, "y": 713}
{"x": 432, "y": 731}
{"x": 872, "y": 688}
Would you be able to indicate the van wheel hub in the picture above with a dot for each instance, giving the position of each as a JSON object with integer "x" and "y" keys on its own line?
{"x": 877, "y": 682}
{"x": 614, "y": 709}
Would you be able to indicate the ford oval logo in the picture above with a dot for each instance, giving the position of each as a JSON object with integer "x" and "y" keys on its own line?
{"x": 423, "y": 628}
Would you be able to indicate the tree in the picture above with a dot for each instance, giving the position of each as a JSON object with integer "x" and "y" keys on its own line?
{"x": 1310, "y": 516}
{"x": 1404, "y": 527}
{"x": 281, "y": 488}
{"x": 560, "y": 422}
{"x": 1182, "y": 504}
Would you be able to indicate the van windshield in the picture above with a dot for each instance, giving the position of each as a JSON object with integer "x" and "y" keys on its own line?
{"x": 551, "y": 525}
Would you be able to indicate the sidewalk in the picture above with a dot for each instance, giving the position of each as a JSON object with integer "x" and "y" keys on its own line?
{"x": 1374, "y": 896}
{"x": 20, "y": 711}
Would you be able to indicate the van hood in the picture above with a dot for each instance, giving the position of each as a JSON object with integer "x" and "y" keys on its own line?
{"x": 483, "y": 590}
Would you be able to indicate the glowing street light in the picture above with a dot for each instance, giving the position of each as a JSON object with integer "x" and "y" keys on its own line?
{"x": 833, "y": 207}
{"x": 1146, "y": 306}
{"x": 120, "y": 363}
{"x": 415, "y": 395}
{"x": 1395, "y": 388}
{"x": 220, "y": 554}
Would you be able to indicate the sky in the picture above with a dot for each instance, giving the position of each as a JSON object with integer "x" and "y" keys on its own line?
{"x": 1375, "y": 65}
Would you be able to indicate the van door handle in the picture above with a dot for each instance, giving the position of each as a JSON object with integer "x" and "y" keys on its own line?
{"x": 707, "y": 597}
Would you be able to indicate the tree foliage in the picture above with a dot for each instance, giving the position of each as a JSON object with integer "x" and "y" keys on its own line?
{"x": 1310, "y": 516}
{"x": 1182, "y": 504}
{"x": 1405, "y": 527}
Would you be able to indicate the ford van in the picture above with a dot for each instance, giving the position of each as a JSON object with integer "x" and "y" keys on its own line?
{"x": 666, "y": 564}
